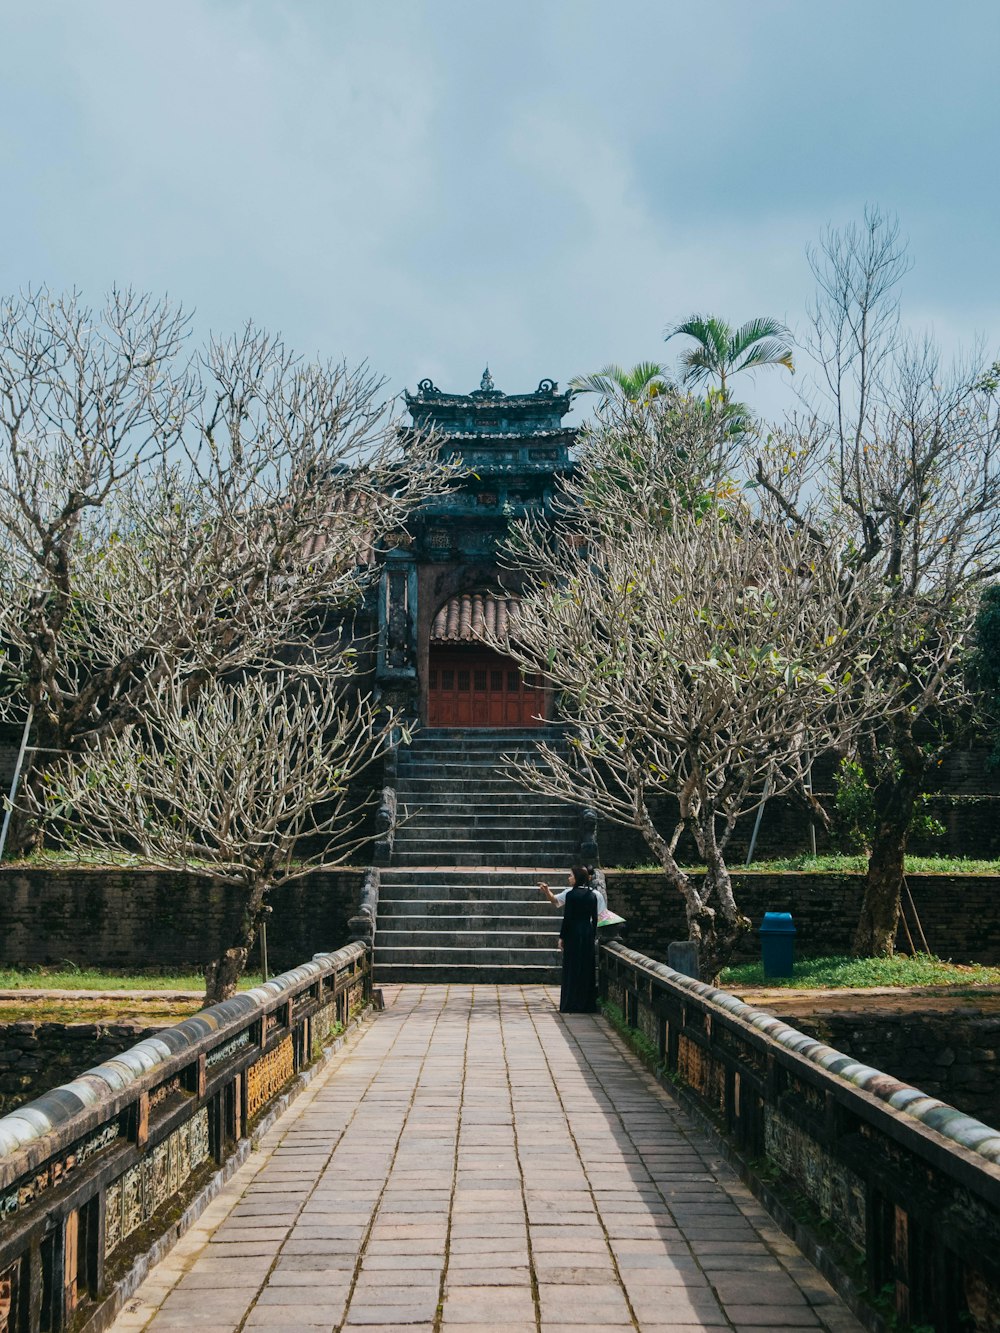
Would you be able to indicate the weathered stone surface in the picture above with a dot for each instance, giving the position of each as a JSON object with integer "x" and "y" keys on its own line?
{"x": 519, "y": 1167}
{"x": 157, "y": 919}
{"x": 824, "y": 907}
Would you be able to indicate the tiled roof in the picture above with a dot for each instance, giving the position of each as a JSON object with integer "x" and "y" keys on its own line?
{"x": 464, "y": 618}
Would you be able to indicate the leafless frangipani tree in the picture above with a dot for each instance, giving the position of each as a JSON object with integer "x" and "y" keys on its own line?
{"x": 896, "y": 467}
{"x": 698, "y": 646}
{"x": 161, "y": 511}
{"x": 249, "y": 783}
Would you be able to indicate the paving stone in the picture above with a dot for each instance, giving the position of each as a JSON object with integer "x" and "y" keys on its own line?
{"x": 482, "y": 1123}
{"x": 771, "y": 1316}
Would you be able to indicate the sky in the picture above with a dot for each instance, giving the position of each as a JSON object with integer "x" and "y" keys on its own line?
{"x": 543, "y": 185}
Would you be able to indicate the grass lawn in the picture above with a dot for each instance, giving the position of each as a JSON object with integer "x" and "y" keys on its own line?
{"x": 831, "y": 973}
{"x": 92, "y": 978}
{"x": 837, "y": 863}
{"x": 915, "y": 865}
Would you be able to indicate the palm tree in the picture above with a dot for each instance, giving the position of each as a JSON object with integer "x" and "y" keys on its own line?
{"x": 723, "y": 351}
{"x": 643, "y": 382}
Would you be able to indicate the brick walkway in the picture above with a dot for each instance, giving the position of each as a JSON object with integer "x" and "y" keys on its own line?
{"x": 472, "y": 1160}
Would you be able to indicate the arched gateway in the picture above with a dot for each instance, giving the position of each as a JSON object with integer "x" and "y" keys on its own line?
{"x": 443, "y": 586}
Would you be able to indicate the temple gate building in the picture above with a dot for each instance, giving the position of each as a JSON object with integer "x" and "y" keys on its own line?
{"x": 445, "y": 581}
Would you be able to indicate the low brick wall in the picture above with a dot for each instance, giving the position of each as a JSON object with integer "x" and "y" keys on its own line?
{"x": 971, "y": 823}
{"x": 153, "y": 919}
{"x": 949, "y": 1054}
{"x": 147, "y": 919}
{"x": 960, "y": 914}
{"x": 37, "y": 1056}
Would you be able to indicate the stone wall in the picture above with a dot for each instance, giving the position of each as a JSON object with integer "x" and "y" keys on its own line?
{"x": 153, "y": 920}
{"x": 37, "y": 1056}
{"x": 951, "y": 1054}
{"x": 971, "y": 823}
{"x": 960, "y": 914}
{"x": 139, "y": 919}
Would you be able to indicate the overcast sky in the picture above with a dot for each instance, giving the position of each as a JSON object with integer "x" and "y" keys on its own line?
{"x": 543, "y": 184}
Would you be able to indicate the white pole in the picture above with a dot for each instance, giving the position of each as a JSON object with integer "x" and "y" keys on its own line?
{"x": 809, "y": 789}
{"x": 17, "y": 777}
{"x": 760, "y": 816}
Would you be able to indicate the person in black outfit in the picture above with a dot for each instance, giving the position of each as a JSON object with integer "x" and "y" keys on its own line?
{"x": 577, "y": 940}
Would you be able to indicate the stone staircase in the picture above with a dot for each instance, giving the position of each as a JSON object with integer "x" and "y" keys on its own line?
{"x": 460, "y": 900}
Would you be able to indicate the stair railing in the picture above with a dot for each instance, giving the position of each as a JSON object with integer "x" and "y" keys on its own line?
{"x": 363, "y": 924}
{"x": 386, "y": 816}
{"x": 588, "y": 836}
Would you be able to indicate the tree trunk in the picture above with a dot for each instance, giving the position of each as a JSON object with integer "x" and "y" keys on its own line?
{"x": 717, "y": 931}
{"x": 24, "y": 836}
{"x": 730, "y": 925}
{"x": 25, "y": 833}
{"x": 222, "y": 974}
{"x": 895, "y": 803}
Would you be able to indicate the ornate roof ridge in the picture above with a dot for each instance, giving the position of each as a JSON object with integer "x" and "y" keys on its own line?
{"x": 487, "y": 395}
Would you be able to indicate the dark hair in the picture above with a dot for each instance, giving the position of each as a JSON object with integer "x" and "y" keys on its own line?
{"x": 581, "y": 875}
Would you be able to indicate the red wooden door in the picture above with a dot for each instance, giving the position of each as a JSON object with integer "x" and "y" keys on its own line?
{"x": 478, "y": 688}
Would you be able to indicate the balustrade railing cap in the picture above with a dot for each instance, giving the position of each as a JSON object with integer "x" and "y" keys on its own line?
{"x": 53, "y": 1110}
{"x": 964, "y": 1130}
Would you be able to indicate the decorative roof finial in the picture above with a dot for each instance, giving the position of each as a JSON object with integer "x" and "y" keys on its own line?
{"x": 486, "y": 384}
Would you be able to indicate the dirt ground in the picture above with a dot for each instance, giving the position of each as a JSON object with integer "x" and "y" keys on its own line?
{"x": 967, "y": 1000}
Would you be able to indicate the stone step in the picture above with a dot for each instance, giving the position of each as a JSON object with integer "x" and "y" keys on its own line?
{"x": 527, "y": 816}
{"x": 537, "y": 834}
{"x": 475, "y": 753}
{"x": 483, "y": 736}
{"x": 490, "y": 897}
{"x": 414, "y": 763}
{"x": 415, "y": 900}
{"x": 497, "y": 830}
{"x": 533, "y": 860}
{"x": 517, "y": 801}
{"x": 462, "y": 782}
{"x": 442, "y": 915}
{"x": 435, "y": 874}
{"x": 462, "y": 956}
{"x": 436, "y": 974}
{"x": 464, "y": 856}
{"x": 469, "y": 758}
{"x": 458, "y": 794}
{"x": 427, "y": 941}
{"x": 443, "y": 811}
{"x": 473, "y": 835}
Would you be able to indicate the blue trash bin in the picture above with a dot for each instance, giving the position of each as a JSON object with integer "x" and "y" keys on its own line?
{"x": 777, "y": 944}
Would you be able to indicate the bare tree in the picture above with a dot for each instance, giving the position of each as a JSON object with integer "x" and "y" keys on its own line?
{"x": 250, "y": 785}
{"x": 696, "y": 646}
{"x": 897, "y": 467}
{"x": 158, "y": 510}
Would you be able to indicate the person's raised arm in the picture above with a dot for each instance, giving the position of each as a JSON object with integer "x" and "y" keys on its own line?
{"x": 544, "y": 889}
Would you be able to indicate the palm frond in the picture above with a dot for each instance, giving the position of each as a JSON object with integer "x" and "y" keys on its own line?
{"x": 713, "y": 333}
{"x": 644, "y": 380}
{"x": 644, "y": 376}
{"x": 768, "y": 352}
{"x": 698, "y": 364}
{"x": 606, "y": 381}
{"x": 755, "y": 331}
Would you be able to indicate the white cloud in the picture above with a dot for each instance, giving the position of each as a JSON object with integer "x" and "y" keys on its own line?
{"x": 429, "y": 184}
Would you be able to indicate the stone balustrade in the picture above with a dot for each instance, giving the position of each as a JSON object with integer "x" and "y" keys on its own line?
{"x": 95, "y": 1174}
{"x": 908, "y": 1187}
